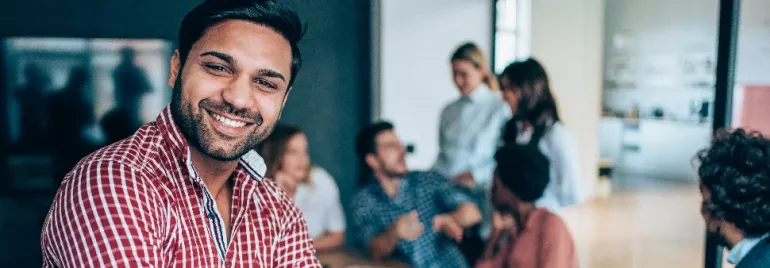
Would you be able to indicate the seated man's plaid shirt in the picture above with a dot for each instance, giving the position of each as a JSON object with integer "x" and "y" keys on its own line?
{"x": 430, "y": 194}
{"x": 140, "y": 203}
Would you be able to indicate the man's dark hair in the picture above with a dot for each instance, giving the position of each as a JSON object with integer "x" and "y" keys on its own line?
{"x": 267, "y": 13}
{"x": 736, "y": 170}
{"x": 366, "y": 144}
{"x": 366, "y": 139}
{"x": 524, "y": 170}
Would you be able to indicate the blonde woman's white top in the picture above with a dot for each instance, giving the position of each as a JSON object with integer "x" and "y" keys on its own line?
{"x": 319, "y": 202}
{"x": 469, "y": 135}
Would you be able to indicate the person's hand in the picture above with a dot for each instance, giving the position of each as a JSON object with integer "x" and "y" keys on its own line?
{"x": 408, "y": 226}
{"x": 465, "y": 179}
{"x": 501, "y": 222}
{"x": 286, "y": 182}
{"x": 446, "y": 224}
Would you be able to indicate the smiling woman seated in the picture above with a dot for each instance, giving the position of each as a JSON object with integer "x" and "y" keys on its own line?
{"x": 312, "y": 188}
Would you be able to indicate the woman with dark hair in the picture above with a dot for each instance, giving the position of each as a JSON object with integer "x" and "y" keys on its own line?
{"x": 313, "y": 190}
{"x": 524, "y": 235}
{"x": 527, "y": 91}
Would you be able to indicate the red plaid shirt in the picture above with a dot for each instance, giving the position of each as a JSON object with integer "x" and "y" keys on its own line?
{"x": 140, "y": 203}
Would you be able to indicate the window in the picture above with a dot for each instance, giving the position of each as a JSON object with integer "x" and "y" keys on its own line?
{"x": 511, "y": 39}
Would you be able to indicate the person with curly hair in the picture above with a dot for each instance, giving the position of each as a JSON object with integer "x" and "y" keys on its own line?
{"x": 523, "y": 234}
{"x": 735, "y": 184}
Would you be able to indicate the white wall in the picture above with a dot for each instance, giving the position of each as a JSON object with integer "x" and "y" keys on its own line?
{"x": 753, "y": 62}
{"x": 567, "y": 37}
{"x": 417, "y": 39}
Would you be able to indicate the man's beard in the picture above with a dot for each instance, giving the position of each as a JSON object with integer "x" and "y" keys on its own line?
{"x": 392, "y": 172}
{"x": 720, "y": 238}
{"x": 202, "y": 137}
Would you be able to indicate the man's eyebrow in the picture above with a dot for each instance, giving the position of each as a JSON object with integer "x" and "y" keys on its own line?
{"x": 271, "y": 73}
{"x": 222, "y": 56}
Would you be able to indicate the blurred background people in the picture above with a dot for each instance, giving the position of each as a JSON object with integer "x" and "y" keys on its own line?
{"x": 313, "y": 190}
{"x": 523, "y": 234}
{"x": 33, "y": 114}
{"x": 469, "y": 132}
{"x": 415, "y": 217}
{"x": 735, "y": 184}
{"x": 527, "y": 91}
{"x": 118, "y": 124}
{"x": 70, "y": 115}
{"x": 131, "y": 84}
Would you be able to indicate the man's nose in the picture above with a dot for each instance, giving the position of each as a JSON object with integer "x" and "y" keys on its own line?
{"x": 239, "y": 93}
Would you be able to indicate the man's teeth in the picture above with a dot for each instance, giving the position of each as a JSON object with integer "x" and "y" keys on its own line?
{"x": 228, "y": 122}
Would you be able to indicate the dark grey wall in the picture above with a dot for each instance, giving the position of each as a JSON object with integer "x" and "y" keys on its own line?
{"x": 330, "y": 100}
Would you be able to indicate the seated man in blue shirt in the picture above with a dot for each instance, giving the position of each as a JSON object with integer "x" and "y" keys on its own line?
{"x": 416, "y": 217}
{"x": 735, "y": 183}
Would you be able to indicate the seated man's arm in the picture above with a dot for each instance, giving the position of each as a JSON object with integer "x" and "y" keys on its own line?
{"x": 104, "y": 215}
{"x": 466, "y": 215}
{"x": 382, "y": 245}
{"x": 462, "y": 209}
{"x": 380, "y": 237}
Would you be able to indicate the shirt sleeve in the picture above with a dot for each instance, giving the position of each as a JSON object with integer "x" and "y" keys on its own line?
{"x": 295, "y": 248}
{"x": 447, "y": 193}
{"x": 566, "y": 167}
{"x": 104, "y": 215}
{"x": 482, "y": 161}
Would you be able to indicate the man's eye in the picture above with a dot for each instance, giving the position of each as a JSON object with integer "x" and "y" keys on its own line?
{"x": 266, "y": 83}
{"x": 215, "y": 68}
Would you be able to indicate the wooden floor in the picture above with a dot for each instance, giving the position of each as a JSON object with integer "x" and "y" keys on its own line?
{"x": 655, "y": 227}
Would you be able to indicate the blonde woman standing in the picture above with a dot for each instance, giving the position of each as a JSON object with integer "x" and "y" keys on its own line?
{"x": 469, "y": 131}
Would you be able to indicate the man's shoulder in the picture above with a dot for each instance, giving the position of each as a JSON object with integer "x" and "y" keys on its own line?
{"x": 427, "y": 177}
{"x": 119, "y": 170}
{"x": 130, "y": 158}
{"x": 273, "y": 197}
{"x": 134, "y": 151}
{"x": 759, "y": 256}
{"x": 365, "y": 196}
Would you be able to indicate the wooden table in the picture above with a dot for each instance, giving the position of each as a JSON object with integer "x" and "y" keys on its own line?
{"x": 352, "y": 258}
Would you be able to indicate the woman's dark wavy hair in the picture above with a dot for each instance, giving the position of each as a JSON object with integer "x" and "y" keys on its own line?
{"x": 537, "y": 104}
{"x": 736, "y": 170}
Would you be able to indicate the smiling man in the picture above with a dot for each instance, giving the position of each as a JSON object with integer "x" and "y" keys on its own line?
{"x": 186, "y": 190}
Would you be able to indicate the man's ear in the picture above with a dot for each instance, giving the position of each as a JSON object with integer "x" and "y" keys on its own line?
{"x": 371, "y": 160}
{"x": 174, "y": 69}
